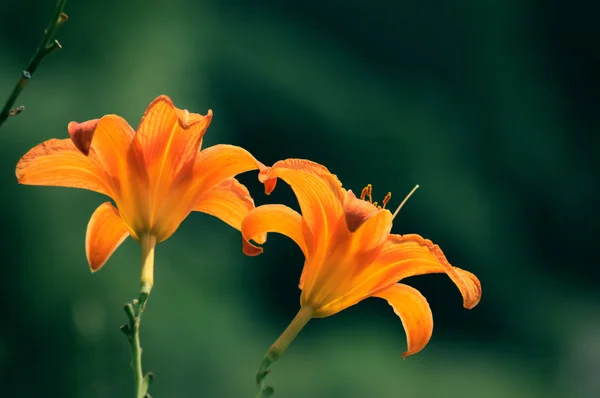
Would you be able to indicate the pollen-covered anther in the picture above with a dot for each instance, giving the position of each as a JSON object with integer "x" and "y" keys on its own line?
{"x": 386, "y": 199}
{"x": 367, "y": 192}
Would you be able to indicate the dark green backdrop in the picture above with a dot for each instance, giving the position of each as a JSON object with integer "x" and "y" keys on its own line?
{"x": 491, "y": 106}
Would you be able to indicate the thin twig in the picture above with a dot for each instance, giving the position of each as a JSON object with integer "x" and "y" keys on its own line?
{"x": 48, "y": 45}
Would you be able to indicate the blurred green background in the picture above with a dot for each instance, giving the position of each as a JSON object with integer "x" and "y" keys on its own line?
{"x": 491, "y": 106}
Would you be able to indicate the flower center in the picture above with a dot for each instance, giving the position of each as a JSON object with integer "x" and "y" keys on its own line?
{"x": 367, "y": 194}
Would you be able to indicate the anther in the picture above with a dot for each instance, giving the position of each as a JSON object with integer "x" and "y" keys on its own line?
{"x": 386, "y": 199}
{"x": 367, "y": 192}
{"x": 375, "y": 204}
{"x": 404, "y": 201}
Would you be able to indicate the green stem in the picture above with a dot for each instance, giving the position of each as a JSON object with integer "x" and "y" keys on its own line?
{"x": 279, "y": 347}
{"x": 48, "y": 45}
{"x": 134, "y": 311}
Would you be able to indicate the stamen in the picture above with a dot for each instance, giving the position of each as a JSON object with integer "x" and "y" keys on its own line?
{"x": 364, "y": 192}
{"x": 386, "y": 199}
{"x": 375, "y": 204}
{"x": 367, "y": 192}
{"x": 404, "y": 201}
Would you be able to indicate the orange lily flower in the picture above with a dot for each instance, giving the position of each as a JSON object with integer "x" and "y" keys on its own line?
{"x": 156, "y": 176}
{"x": 350, "y": 253}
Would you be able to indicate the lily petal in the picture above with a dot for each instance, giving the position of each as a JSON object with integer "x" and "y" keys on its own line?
{"x": 60, "y": 163}
{"x": 220, "y": 162}
{"x": 109, "y": 139}
{"x": 170, "y": 139}
{"x": 105, "y": 232}
{"x": 170, "y": 136}
{"x": 230, "y": 201}
{"x": 403, "y": 256}
{"x": 319, "y": 193}
{"x": 212, "y": 166}
{"x": 409, "y": 255}
{"x": 328, "y": 285}
{"x": 274, "y": 218}
{"x": 414, "y": 312}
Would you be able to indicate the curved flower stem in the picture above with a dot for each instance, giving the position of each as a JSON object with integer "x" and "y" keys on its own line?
{"x": 48, "y": 45}
{"x": 278, "y": 348}
{"x": 134, "y": 311}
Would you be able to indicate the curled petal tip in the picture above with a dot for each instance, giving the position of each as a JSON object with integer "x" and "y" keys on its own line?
{"x": 270, "y": 185}
{"x": 472, "y": 301}
{"x": 249, "y": 249}
{"x": 82, "y": 134}
{"x": 268, "y": 181}
{"x": 186, "y": 119}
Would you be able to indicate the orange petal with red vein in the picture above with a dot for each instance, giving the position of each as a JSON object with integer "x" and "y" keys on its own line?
{"x": 409, "y": 255}
{"x": 274, "y": 218}
{"x": 414, "y": 312}
{"x": 230, "y": 201}
{"x": 402, "y": 257}
{"x": 319, "y": 193}
{"x": 105, "y": 232}
{"x": 121, "y": 159}
{"x": 213, "y": 165}
{"x": 60, "y": 163}
{"x": 170, "y": 137}
{"x": 326, "y": 287}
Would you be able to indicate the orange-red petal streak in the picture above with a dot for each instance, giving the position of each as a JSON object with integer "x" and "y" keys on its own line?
{"x": 170, "y": 139}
